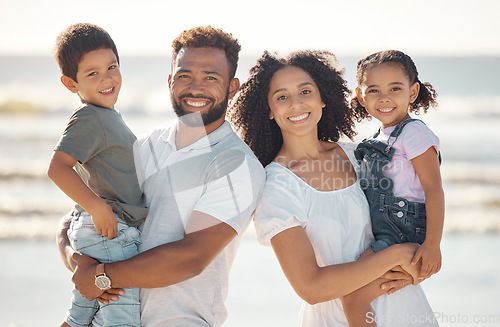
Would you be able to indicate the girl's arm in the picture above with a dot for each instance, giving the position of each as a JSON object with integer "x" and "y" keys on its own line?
{"x": 427, "y": 168}
{"x": 61, "y": 172}
{"x": 316, "y": 284}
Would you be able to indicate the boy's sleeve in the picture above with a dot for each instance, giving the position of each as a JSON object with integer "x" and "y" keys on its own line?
{"x": 84, "y": 135}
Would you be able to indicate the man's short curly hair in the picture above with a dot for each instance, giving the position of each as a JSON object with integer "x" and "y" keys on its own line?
{"x": 76, "y": 41}
{"x": 249, "y": 112}
{"x": 209, "y": 37}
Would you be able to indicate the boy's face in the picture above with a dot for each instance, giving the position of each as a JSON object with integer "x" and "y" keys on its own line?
{"x": 99, "y": 78}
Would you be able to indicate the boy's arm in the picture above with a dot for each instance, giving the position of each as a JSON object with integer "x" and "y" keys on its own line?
{"x": 163, "y": 265}
{"x": 427, "y": 168}
{"x": 61, "y": 172}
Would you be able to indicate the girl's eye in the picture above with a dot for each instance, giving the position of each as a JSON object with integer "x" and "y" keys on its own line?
{"x": 281, "y": 97}
{"x": 306, "y": 91}
{"x": 372, "y": 91}
{"x": 112, "y": 67}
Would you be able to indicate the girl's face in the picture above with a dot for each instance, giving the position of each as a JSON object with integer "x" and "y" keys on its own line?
{"x": 295, "y": 101}
{"x": 386, "y": 93}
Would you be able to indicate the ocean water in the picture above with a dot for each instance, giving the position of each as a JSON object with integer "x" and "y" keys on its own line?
{"x": 34, "y": 108}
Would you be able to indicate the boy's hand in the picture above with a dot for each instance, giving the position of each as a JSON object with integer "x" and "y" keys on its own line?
{"x": 431, "y": 259}
{"x": 105, "y": 223}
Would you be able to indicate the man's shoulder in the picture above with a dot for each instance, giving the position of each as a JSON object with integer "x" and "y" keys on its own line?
{"x": 154, "y": 134}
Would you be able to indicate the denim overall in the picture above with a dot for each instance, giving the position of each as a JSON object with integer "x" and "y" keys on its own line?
{"x": 394, "y": 219}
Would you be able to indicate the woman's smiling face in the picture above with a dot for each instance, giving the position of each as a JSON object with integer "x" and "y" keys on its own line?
{"x": 295, "y": 101}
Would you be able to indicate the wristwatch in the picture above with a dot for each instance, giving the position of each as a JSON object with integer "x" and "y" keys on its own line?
{"x": 101, "y": 280}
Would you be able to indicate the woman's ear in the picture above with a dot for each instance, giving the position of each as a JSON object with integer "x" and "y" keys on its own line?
{"x": 69, "y": 83}
{"x": 271, "y": 117}
{"x": 414, "y": 90}
{"x": 359, "y": 96}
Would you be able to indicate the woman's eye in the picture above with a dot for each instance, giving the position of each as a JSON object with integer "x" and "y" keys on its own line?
{"x": 306, "y": 91}
{"x": 281, "y": 97}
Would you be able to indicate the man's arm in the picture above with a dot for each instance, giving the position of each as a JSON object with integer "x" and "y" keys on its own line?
{"x": 63, "y": 245}
{"x": 163, "y": 265}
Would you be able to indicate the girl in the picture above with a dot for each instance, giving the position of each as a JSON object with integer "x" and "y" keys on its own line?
{"x": 292, "y": 112}
{"x": 399, "y": 166}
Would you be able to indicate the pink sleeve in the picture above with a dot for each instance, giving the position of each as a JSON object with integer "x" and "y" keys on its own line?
{"x": 418, "y": 138}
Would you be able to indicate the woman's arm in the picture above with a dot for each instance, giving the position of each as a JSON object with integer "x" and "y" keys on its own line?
{"x": 426, "y": 166}
{"x": 316, "y": 284}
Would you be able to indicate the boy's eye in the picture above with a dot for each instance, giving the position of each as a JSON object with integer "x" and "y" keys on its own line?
{"x": 93, "y": 74}
{"x": 211, "y": 78}
{"x": 112, "y": 67}
{"x": 396, "y": 88}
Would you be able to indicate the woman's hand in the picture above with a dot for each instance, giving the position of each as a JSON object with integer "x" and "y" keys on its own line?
{"x": 398, "y": 279}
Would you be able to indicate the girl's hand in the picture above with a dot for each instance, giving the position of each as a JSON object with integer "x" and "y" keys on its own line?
{"x": 431, "y": 259}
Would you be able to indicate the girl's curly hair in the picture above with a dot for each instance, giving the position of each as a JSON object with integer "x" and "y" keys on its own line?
{"x": 249, "y": 111}
{"x": 427, "y": 95}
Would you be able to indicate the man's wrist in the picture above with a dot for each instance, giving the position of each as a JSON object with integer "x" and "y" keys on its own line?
{"x": 101, "y": 280}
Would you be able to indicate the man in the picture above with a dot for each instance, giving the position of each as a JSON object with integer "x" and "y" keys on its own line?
{"x": 201, "y": 184}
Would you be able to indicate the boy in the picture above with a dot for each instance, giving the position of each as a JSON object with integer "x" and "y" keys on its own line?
{"x": 98, "y": 144}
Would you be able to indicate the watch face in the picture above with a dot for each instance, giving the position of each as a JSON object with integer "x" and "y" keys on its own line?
{"x": 103, "y": 282}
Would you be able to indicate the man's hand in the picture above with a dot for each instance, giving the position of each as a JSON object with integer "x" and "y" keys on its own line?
{"x": 84, "y": 276}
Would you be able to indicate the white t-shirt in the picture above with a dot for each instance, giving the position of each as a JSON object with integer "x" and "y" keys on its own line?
{"x": 339, "y": 228}
{"x": 414, "y": 140}
{"x": 217, "y": 175}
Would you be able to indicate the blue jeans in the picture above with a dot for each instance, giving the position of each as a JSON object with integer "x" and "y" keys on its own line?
{"x": 394, "y": 219}
{"x": 84, "y": 239}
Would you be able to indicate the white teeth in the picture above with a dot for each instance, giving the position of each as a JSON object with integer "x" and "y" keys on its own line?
{"x": 107, "y": 90}
{"x": 300, "y": 117}
{"x": 196, "y": 104}
{"x": 386, "y": 109}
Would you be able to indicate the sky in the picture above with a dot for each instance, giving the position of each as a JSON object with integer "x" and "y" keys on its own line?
{"x": 147, "y": 27}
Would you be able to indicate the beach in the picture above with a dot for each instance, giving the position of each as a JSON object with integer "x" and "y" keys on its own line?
{"x": 34, "y": 109}
{"x": 36, "y": 287}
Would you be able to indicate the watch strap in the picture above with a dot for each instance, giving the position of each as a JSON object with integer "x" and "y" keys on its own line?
{"x": 99, "y": 270}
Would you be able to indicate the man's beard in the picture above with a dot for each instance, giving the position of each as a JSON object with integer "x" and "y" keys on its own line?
{"x": 198, "y": 119}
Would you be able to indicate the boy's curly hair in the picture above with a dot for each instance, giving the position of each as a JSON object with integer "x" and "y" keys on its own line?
{"x": 209, "y": 37}
{"x": 76, "y": 41}
{"x": 427, "y": 95}
{"x": 249, "y": 112}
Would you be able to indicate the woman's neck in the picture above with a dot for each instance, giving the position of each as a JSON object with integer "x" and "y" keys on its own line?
{"x": 299, "y": 147}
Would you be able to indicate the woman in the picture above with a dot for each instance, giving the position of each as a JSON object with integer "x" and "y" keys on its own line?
{"x": 292, "y": 112}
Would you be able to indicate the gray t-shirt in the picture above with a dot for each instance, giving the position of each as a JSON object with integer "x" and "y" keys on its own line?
{"x": 102, "y": 143}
